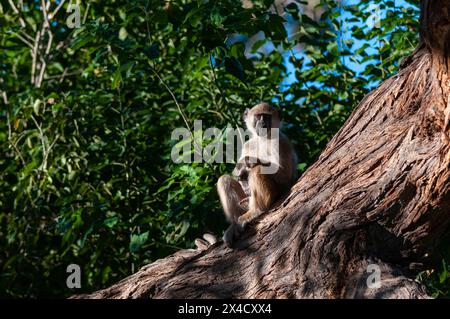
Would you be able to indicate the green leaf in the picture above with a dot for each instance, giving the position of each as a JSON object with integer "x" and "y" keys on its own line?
{"x": 111, "y": 221}
{"x": 123, "y": 33}
{"x": 234, "y": 67}
{"x": 81, "y": 40}
{"x": 36, "y": 105}
{"x": 332, "y": 47}
{"x": 137, "y": 241}
{"x": 216, "y": 18}
{"x": 116, "y": 79}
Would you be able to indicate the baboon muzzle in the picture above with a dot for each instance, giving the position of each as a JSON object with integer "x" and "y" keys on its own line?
{"x": 264, "y": 124}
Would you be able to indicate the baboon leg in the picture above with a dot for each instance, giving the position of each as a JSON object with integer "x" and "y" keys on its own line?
{"x": 231, "y": 194}
{"x": 263, "y": 194}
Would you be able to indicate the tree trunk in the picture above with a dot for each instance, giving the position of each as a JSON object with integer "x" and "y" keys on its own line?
{"x": 378, "y": 194}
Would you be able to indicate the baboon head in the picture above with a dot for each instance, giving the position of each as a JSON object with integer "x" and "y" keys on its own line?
{"x": 261, "y": 118}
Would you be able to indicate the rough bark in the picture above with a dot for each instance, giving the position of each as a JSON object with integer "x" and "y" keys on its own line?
{"x": 378, "y": 194}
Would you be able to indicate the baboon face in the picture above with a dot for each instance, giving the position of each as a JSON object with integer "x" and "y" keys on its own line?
{"x": 261, "y": 118}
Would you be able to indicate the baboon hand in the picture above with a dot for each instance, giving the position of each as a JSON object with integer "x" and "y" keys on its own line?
{"x": 244, "y": 219}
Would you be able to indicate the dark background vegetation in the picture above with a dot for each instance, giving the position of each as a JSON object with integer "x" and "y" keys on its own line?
{"x": 86, "y": 175}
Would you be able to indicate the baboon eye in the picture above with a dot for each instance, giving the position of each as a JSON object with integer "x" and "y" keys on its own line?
{"x": 266, "y": 117}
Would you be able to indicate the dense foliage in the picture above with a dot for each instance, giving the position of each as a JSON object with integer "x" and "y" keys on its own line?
{"x": 86, "y": 175}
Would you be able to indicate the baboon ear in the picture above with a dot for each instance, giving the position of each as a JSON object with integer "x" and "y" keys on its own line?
{"x": 246, "y": 113}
